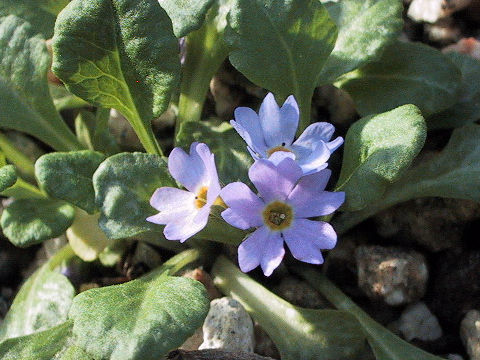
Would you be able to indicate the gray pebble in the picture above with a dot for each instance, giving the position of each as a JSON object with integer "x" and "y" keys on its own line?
{"x": 417, "y": 322}
{"x": 470, "y": 333}
{"x": 228, "y": 326}
{"x": 393, "y": 275}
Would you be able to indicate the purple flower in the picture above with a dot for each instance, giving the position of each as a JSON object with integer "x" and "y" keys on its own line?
{"x": 185, "y": 212}
{"x": 281, "y": 214}
{"x": 274, "y": 128}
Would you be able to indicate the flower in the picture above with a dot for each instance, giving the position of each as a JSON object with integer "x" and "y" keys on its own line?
{"x": 274, "y": 128}
{"x": 185, "y": 212}
{"x": 281, "y": 214}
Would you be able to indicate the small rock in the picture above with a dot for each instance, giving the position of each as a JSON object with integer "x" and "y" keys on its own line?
{"x": 445, "y": 31}
{"x": 228, "y": 326}
{"x": 469, "y": 46}
{"x": 394, "y": 275}
{"x": 299, "y": 293}
{"x": 470, "y": 334}
{"x": 432, "y": 10}
{"x": 417, "y": 322}
{"x": 454, "y": 357}
{"x": 434, "y": 223}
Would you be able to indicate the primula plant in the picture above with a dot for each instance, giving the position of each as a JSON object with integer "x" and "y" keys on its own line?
{"x": 270, "y": 186}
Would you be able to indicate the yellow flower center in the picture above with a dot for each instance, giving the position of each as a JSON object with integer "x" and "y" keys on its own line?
{"x": 201, "y": 198}
{"x": 278, "y": 215}
{"x": 277, "y": 148}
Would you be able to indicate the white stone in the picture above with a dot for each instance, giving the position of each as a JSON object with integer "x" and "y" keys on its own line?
{"x": 228, "y": 327}
{"x": 432, "y": 10}
{"x": 417, "y": 322}
{"x": 470, "y": 334}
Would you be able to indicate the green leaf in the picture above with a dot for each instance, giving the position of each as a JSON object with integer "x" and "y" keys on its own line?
{"x": 378, "y": 150}
{"x": 43, "y": 345}
{"x": 75, "y": 353}
{"x": 186, "y": 16}
{"x": 25, "y": 102}
{"x": 467, "y": 107}
{"x": 142, "y": 319}
{"x": 231, "y": 155}
{"x": 281, "y": 45}
{"x": 30, "y": 221}
{"x": 40, "y": 13}
{"x": 133, "y": 66}
{"x": 298, "y": 333}
{"x": 452, "y": 173}
{"x": 68, "y": 176}
{"x": 407, "y": 73}
{"x": 42, "y": 303}
{"x": 123, "y": 186}
{"x": 8, "y": 177}
{"x": 85, "y": 237}
{"x": 385, "y": 345}
{"x": 365, "y": 27}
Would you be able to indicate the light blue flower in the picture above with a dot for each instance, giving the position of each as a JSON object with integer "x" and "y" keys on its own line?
{"x": 185, "y": 212}
{"x": 273, "y": 129}
{"x": 280, "y": 213}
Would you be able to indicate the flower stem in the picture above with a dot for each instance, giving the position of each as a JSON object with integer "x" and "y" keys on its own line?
{"x": 205, "y": 52}
{"x": 24, "y": 190}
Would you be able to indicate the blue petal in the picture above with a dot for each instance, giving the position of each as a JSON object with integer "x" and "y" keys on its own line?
{"x": 316, "y": 160}
{"x": 211, "y": 172}
{"x": 184, "y": 227}
{"x": 274, "y": 182}
{"x": 279, "y": 125}
{"x": 250, "y": 250}
{"x": 247, "y": 125}
{"x": 188, "y": 170}
{"x": 273, "y": 253}
{"x": 305, "y": 238}
{"x": 308, "y": 198}
{"x": 245, "y": 208}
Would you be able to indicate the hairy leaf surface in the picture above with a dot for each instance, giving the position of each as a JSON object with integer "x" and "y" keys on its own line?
{"x": 378, "y": 150}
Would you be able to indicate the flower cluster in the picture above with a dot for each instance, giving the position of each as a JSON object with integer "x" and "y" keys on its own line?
{"x": 290, "y": 177}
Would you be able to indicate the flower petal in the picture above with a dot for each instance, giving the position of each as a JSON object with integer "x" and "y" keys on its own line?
{"x": 247, "y": 125}
{"x": 273, "y": 253}
{"x": 316, "y": 160}
{"x": 289, "y": 116}
{"x": 308, "y": 198}
{"x": 305, "y": 238}
{"x": 250, "y": 250}
{"x": 185, "y": 227}
{"x": 172, "y": 199}
{"x": 211, "y": 172}
{"x": 276, "y": 129}
{"x": 335, "y": 144}
{"x": 188, "y": 170}
{"x": 165, "y": 217}
{"x": 245, "y": 208}
{"x": 319, "y": 131}
{"x": 274, "y": 182}
{"x": 278, "y": 156}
